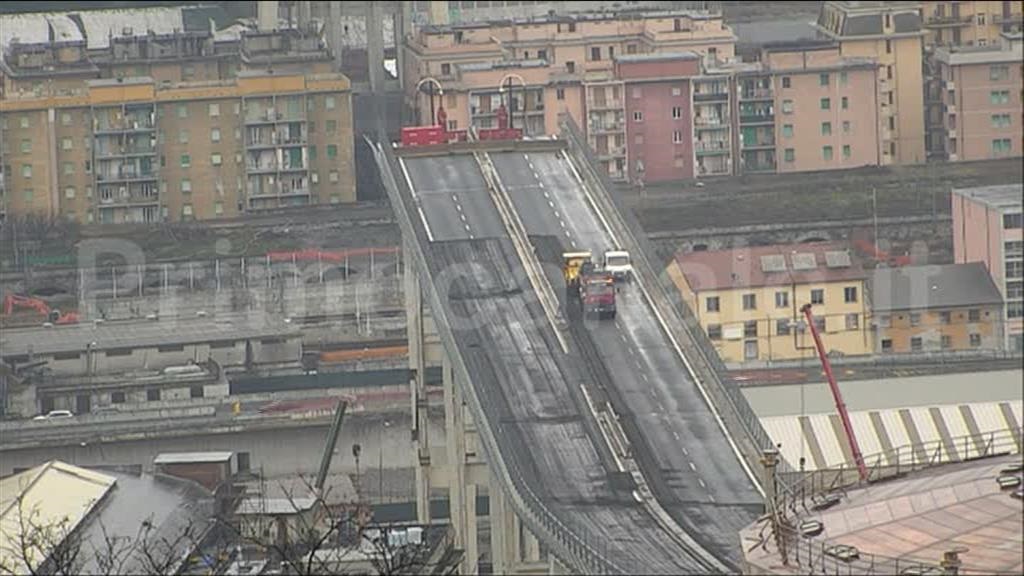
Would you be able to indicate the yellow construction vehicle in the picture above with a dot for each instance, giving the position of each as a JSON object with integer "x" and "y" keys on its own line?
{"x": 574, "y": 265}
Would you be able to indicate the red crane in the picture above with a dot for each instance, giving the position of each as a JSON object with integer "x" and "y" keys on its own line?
{"x": 12, "y": 301}
{"x": 836, "y": 394}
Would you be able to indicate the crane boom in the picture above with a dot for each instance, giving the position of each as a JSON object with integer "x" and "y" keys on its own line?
{"x": 836, "y": 394}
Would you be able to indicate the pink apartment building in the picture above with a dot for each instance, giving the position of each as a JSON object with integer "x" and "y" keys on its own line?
{"x": 987, "y": 227}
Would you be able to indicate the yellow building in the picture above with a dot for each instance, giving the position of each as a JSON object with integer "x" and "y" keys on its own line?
{"x": 132, "y": 150}
{"x": 748, "y": 300}
{"x": 935, "y": 308}
{"x": 970, "y": 23}
{"x": 892, "y": 34}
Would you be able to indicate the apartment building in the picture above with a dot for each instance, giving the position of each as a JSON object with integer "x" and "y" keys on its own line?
{"x": 547, "y": 65}
{"x": 748, "y": 300}
{"x": 935, "y": 308}
{"x": 134, "y": 150}
{"x": 892, "y": 34}
{"x": 978, "y": 96}
{"x": 809, "y": 108}
{"x": 987, "y": 228}
{"x": 970, "y": 23}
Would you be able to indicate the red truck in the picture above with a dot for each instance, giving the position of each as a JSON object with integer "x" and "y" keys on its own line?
{"x": 597, "y": 291}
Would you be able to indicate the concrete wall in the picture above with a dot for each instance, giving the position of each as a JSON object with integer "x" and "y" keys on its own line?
{"x": 974, "y": 124}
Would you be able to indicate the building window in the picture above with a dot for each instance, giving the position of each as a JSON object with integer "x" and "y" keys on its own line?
{"x": 975, "y": 340}
{"x": 117, "y": 397}
{"x": 750, "y": 301}
{"x": 332, "y": 151}
{"x": 850, "y": 294}
{"x": 186, "y": 160}
{"x": 826, "y": 104}
{"x": 947, "y": 341}
{"x": 570, "y": 67}
{"x": 65, "y": 118}
{"x": 26, "y": 146}
{"x": 885, "y": 321}
{"x": 786, "y": 82}
{"x": 542, "y": 54}
{"x": 329, "y": 102}
{"x": 332, "y": 126}
{"x": 186, "y": 186}
{"x": 1014, "y": 290}
{"x": 1001, "y": 120}
{"x": 677, "y": 91}
{"x": 69, "y": 168}
{"x": 26, "y": 170}
{"x": 974, "y": 315}
{"x": 677, "y": 137}
{"x": 915, "y": 319}
{"x": 846, "y": 126}
{"x": 186, "y": 211}
{"x": 214, "y": 110}
{"x": 787, "y": 130}
{"x": 715, "y": 331}
{"x": 638, "y": 116}
{"x": 887, "y": 345}
{"x": 677, "y": 112}
{"x": 638, "y": 139}
{"x": 183, "y": 136}
{"x": 888, "y": 46}
{"x": 69, "y": 192}
{"x": 915, "y": 344}
{"x": 998, "y": 73}
{"x": 817, "y": 296}
{"x": 750, "y": 329}
{"x": 24, "y": 122}
{"x": 945, "y": 317}
{"x": 595, "y": 53}
{"x": 782, "y": 327}
{"x": 826, "y": 128}
{"x": 822, "y": 79}
{"x": 843, "y": 78}
{"x": 1013, "y": 221}
{"x": 195, "y": 392}
{"x": 66, "y": 144}
{"x": 819, "y": 323}
{"x": 782, "y": 299}
{"x": 852, "y": 321}
{"x": 1002, "y": 146}
{"x": 1014, "y": 310}
{"x": 845, "y": 103}
{"x": 27, "y": 195}
{"x": 453, "y": 125}
{"x": 1014, "y": 248}
{"x": 712, "y": 304}
{"x": 826, "y": 153}
{"x": 981, "y": 21}
{"x": 847, "y": 151}
{"x": 999, "y": 97}
{"x": 215, "y": 159}
{"x": 182, "y": 111}
{"x": 153, "y": 395}
{"x": 332, "y": 176}
{"x": 787, "y": 106}
{"x": 789, "y": 155}
{"x": 560, "y": 93}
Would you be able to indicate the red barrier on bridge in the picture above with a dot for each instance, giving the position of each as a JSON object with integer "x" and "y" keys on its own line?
{"x": 501, "y": 134}
{"x": 423, "y": 136}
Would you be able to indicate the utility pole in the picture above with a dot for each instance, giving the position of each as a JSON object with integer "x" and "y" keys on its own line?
{"x": 874, "y": 215}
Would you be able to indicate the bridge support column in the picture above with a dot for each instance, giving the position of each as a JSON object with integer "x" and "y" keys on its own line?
{"x": 531, "y": 547}
{"x": 459, "y": 487}
{"x": 418, "y": 389}
{"x": 504, "y": 531}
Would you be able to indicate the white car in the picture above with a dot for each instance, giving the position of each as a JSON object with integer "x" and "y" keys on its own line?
{"x": 55, "y": 415}
{"x": 617, "y": 263}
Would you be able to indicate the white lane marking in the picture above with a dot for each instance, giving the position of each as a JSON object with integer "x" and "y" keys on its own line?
{"x": 685, "y": 451}
{"x": 567, "y": 235}
{"x": 651, "y": 392}
{"x": 471, "y": 237}
{"x": 467, "y": 227}
{"x": 675, "y": 435}
{"x": 551, "y": 204}
{"x": 561, "y": 223}
{"x": 711, "y": 497}
{"x": 557, "y": 215}
{"x": 463, "y": 216}
{"x": 535, "y": 175}
{"x": 416, "y": 200}
{"x": 692, "y": 467}
{"x": 631, "y": 353}
{"x": 458, "y": 207}
{"x": 541, "y": 184}
{"x": 573, "y": 243}
{"x": 644, "y": 376}
{"x": 701, "y": 482}
{"x": 622, "y": 336}
{"x": 546, "y": 195}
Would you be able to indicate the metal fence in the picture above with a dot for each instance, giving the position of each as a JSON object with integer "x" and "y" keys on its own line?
{"x": 800, "y": 495}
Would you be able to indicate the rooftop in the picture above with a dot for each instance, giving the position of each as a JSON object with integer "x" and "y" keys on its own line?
{"x": 139, "y": 334}
{"x": 770, "y": 266}
{"x": 622, "y": 14}
{"x": 658, "y": 57}
{"x": 274, "y": 506}
{"x": 192, "y": 457}
{"x": 1001, "y": 197}
{"x": 990, "y": 54}
{"x": 922, "y": 287}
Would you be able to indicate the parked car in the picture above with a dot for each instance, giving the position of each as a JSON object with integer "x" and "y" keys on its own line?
{"x": 55, "y": 415}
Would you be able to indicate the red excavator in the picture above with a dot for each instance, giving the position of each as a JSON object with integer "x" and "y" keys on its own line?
{"x": 12, "y": 301}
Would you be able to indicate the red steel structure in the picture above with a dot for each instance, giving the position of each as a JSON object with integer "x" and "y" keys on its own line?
{"x": 836, "y": 393}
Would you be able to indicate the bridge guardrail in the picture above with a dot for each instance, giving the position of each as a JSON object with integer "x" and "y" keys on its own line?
{"x": 564, "y": 542}
{"x": 811, "y": 491}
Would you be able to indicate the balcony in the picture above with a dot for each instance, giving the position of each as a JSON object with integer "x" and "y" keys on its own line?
{"x": 261, "y": 168}
{"x": 606, "y": 127}
{"x": 128, "y": 152}
{"x": 757, "y": 94}
{"x": 710, "y": 96}
{"x": 121, "y": 127}
{"x": 1017, "y": 18}
{"x": 764, "y": 118}
{"x": 948, "y": 20}
{"x": 613, "y": 152}
{"x": 712, "y": 146}
{"x": 759, "y": 144}
{"x": 271, "y": 117}
{"x": 615, "y": 104}
{"x": 294, "y": 167}
{"x": 294, "y": 191}
{"x": 711, "y": 122}
{"x": 125, "y": 176}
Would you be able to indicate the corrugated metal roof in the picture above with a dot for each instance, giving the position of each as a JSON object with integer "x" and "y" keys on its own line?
{"x": 274, "y": 506}
{"x": 50, "y": 494}
{"x": 192, "y": 457}
{"x": 1002, "y": 196}
{"x": 100, "y": 25}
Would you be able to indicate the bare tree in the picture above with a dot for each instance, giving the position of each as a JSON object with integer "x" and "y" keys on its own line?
{"x": 40, "y": 547}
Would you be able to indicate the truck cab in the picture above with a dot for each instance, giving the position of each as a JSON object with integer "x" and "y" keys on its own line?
{"x": 618, "y": 264}
{"x": 597, "y": 290}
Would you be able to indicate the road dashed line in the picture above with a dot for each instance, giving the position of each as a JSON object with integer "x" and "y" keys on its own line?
{"x": 702, "y": 484}
{"x": 685, "y": 451}
{"x": 644, "y": 376}
{"x": 692, "y": 467}
{"x": 675, "y": 435}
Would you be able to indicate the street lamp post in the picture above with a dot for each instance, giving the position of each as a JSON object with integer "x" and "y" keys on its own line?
{"x": 430, "y": 91}
{"x": 511, "y": 112}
